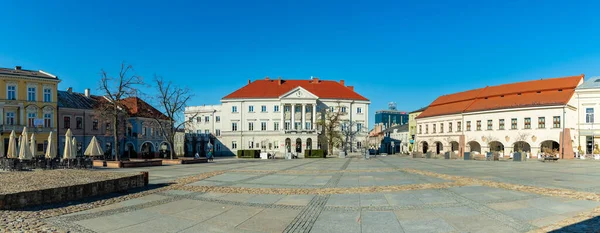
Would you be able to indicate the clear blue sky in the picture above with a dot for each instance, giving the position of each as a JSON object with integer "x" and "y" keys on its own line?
{"x": 408, "y": 52}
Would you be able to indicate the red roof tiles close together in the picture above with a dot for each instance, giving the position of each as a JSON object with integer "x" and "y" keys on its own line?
{"x": 545, "y": 92}
{"x": 136, "y": 107}
{"x": 269, "y": 88}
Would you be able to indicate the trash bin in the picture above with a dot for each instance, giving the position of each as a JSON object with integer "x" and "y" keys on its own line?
{"x": 517, "y": 156}
{"x": 467, "y": 155}
{"x": 447, "y": 155}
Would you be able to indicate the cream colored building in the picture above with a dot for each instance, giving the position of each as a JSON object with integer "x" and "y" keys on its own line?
{"x": 278, "y": 115}
{"x": 412, "y": 126}
{"x": 527, "y": 117}
{"x": 588, "y": 103}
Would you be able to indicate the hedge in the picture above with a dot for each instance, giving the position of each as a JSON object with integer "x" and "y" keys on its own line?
{"x": 314, "y": 154}
{"x": 249, "y": 154}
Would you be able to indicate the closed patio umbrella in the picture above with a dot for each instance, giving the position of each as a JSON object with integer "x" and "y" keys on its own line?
{"x": 12, "y": 146}
{"x": 74, "y": 149}
{"x": 51, "y": 148}
{"x": 24, "y": 149}
{"x": 94, "y": 148}
{"x": 68, "y": 151}
{"x": 32, "y": 144}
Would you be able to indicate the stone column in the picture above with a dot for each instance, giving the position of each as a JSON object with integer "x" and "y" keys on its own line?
{"x": 314, "y": 116}
{"x": 282, "y": 121}
{"x": 303, "y": 118}
{"x": 22, "y": 116}
{"x": 293, "y": 113}
{"x": 2, "y": 116}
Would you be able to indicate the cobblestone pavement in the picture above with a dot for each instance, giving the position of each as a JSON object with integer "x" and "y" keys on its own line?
{"x": 385, "y": 194}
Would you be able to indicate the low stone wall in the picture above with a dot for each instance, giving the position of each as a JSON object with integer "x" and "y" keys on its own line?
{"x": 70, "y": 193}
{"x": 184, "y": 161}
{"x": 126, "y": 164}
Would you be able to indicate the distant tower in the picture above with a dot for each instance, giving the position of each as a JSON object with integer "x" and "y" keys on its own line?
{"x": 392, "y": 106}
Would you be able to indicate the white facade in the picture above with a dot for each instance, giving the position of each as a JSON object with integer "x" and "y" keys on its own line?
{"x": 588, "y": 103}
{"x": 268, "y": 124}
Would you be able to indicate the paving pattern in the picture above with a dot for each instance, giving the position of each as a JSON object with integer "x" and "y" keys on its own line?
{"x": 385, "y": 194}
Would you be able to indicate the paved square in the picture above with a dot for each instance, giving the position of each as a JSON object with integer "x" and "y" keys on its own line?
{"x": 384, "y": 194}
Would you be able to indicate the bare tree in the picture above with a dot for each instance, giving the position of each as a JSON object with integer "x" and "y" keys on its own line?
{"x": 115, "y": 89}
{"x": 172, "y": 101}
{"x": 519, "y": 141}
{"x": 349, "y": 131}
{"x": 330, "y": 127}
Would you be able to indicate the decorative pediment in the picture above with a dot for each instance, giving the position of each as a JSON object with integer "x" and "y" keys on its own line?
{"x": 31, "y": 108}
{"x": 298, "y": 93}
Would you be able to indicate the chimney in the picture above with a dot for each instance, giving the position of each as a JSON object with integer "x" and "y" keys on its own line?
{"x": 249, "y": 81}
{"x": 342, "y": 82}
{"x": 351, "y": 88}
{"x": 315, "y": 80}
{"x": 87, "y": 92}
{"x": 70, "y": 89}
{"x": 267, "y": 78}
{"x": 279, "y": 80}
{"x": 17, "y": 67}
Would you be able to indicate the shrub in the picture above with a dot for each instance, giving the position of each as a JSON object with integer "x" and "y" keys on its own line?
{"x": 249, "y": 154}
{"x": 314, "y": 154}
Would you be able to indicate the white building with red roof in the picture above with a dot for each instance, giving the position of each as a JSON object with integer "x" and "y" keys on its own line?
{"x": 259, "y": 116}
{"x": 528, "y": 117}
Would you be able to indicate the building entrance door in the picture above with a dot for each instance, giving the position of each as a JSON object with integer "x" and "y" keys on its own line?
{"x": 589, "y": 149}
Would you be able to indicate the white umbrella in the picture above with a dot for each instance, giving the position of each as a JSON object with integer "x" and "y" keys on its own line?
{"x": 50, "y": 149}
{"x": 94, "y": 148}
{"x": 12, "y": 146}
{"x": 68, "y": 151}
{"x": 24, "y": 150}
{"x": 74, "y": 149}
{"x": 32, "y": 144}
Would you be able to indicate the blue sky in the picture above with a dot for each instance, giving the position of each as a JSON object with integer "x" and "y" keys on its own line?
{"x": 408, "y": 52}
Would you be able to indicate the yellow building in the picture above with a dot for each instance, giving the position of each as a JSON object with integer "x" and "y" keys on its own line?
{"x": 412, "y": 124}
{"x": 28, "y": 99}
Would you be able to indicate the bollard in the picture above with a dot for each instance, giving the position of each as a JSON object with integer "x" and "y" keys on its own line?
{"x": 146, "y": 178}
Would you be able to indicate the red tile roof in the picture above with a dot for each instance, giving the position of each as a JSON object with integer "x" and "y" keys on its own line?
{"x": 136, "y": 107}
{"x": 545, "y": 92}
{"x": 269, "y": 88}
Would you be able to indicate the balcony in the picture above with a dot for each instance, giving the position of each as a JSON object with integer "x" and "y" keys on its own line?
{"x": 300, "y": 131}
{"x": 19, "y": 128}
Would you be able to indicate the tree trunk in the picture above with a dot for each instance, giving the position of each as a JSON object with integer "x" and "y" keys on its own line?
{"x": 116, "y": 136}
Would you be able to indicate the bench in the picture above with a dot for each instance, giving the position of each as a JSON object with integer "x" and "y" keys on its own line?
{"x": 550, "y": 158}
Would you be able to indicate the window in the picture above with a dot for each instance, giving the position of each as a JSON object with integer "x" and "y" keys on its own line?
{"x": 287, "y": 125}
{"x": 152, "y": 132}
{"x": 107, "y": 125}
{"x": 233, "y": 145}
{"x": 359, "y": 110}
{"x": 307, "y": 125}
{"x": 218, "y": 119}
{"x": 206, "y": 131}
{"x": 501, "y": 124}
{"x": 468, "y": 125}
{"x": 489, "y": 125}
{"x": 527, "y": 122}
{"x": 95, "y": 124}
{"x": 218, "y": 132}
{"x": 47, "y": 95}
{"x": 11, "y": 92}
{"x": 67, "y": 122}
{"x": 263, "y": 108}
{"x": 343, "y": 127}
{"x": 420, "y": 129}
{"x": 541, "y": 122}
{"x": 263, "y": 126}
{"x": 250, "y": 144}
{"x": 233, "y": 126}
{"x": 31, "y": 94}
{"x": 433, "y": 128}
{"x": 78, "y": 122}
{"x": 276, "y": 108}
{"x": 589, "y": 115}
{"x": 358, "y": 144}
{"x": 47, "y": 120}
{"x": 331, "y": 109}
{"x": 286, "y": 108}
{"x": 441, "y": 127}
{"x": 450, "y": 127}
{"x": 556, "y": 122}
{"x": 198, "y": 131}
{"x": 198, "y": 119}
{"x": 31, "y": 119}
{"x": 10, "y": 118}
{"x": 297, "y": 109}
{"x": 359, "y": 127}
{"x": 297, "y": 125}
{"x": 307, "y": 108}
{"x": 218, "y": 147}
{"x": 513, "y": 123}
{"x": 206, "y": 119}
{"x": 275, "y": 126}
{"x": 144, "y": 131}
{"x": 478, "y": 125}
{"x": 458, "y": 126}
{"x": 233, "y": 108}
{"x": 426, "y": 129}
{"x": 343, "y": 109}
{"x": 250, "y": 108}
{"x": 40, "y": 147}
{"x": 250, "y": 126}
{"x": 276, "y": 144}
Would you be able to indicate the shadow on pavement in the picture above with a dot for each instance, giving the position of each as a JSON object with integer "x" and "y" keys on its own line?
{"x": 590, "y": 225}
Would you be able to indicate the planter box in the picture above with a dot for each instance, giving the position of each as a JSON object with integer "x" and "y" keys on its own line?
{"x": 467, "y": 155}
{"x": 517, "y": 157}
{"x": 342, "y": 155}
{"x": 184, "y": 161}
{"x": 71, "y": 193}
{"x": 126, "y": 164}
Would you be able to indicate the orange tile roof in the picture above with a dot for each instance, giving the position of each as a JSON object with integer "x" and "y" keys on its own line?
{"x": 269, "y": 88}
{"x": 545, "y": 92}
{"x": 136, "y": 107}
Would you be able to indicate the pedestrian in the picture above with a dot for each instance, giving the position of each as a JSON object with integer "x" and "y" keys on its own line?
{"x": 197, "y": 156}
